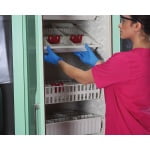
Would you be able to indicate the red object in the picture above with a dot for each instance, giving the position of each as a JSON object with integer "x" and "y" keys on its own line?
{"x": 76, "y": 38}
{"x": 53, "y": 39}
{"x": 62, "y": 86}
{"x": 58, "y": 87}
{"x": 125, "y": 78}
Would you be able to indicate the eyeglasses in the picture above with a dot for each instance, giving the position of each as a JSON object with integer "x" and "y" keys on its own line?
{"x": 131, "y": 19}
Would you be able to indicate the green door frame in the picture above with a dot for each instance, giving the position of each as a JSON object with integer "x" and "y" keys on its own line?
{"x": 21, "y": 73}
{"x": 40, "y": 111}
{"x": 115, "y": 33}
{"x": 18, "y": 74}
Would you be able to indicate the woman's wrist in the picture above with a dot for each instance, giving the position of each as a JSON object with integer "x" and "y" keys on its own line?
{"x": 98, "y": 62}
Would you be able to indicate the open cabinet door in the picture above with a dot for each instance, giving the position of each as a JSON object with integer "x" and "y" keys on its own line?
{"x": 28, "y": 77}
{"x": 115, "y": 33}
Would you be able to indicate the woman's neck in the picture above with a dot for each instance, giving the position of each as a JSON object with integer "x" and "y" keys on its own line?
{"x": 141, "y": 43}
{"x": 141, "y": 46}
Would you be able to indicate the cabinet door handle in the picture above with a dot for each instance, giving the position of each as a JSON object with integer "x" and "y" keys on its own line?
{"x": 36, "y": 107}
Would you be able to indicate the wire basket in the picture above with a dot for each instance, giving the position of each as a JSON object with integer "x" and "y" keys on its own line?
{"x": 70, "y": 92}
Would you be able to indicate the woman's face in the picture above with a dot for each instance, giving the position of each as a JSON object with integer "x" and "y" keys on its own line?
{"x": 126, "y": 27}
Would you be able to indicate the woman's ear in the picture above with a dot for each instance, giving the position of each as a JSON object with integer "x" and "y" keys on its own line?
{"x": 138, "y": 26}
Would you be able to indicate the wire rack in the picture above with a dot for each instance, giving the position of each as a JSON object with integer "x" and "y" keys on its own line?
{"x": 69, "y": 115}
{"x": 65, "y": 31}
{"x": 70, "y": 92}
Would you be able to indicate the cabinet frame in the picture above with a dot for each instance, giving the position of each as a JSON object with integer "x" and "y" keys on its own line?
{"x": 20, "y": 72}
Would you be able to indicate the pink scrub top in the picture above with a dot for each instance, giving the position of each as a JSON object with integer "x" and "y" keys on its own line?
{"x": 125, "y": 78}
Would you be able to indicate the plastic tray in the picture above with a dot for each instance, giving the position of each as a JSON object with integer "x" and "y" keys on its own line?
{"x": 70, "y": 92}
{"x": 87, "y": 125}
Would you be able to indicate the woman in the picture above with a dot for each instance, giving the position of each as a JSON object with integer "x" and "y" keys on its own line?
{"x": 125, "y": 78}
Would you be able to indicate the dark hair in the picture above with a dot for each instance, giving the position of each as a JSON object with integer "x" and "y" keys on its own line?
{"x": 144, "y": 20}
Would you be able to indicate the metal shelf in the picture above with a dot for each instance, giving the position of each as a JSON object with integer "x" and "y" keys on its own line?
{"x": 65, "y": 44}
{"x": 69, "y": 17}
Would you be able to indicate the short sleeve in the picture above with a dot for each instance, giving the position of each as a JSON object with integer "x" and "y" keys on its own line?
{"x": 115, "y": 70}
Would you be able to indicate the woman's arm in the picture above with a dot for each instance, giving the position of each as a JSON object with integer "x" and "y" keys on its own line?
{"x": 75, "y": 73}
{"x": 81, "y": 76}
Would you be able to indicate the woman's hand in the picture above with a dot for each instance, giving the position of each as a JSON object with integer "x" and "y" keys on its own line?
{"x": 51, "y": 57}
{"x": 88, "y": 57}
